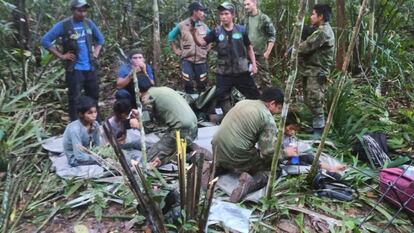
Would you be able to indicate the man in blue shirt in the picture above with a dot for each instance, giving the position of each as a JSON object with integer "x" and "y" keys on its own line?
{"x": 82, "y": 42}
{"x": 125, "y": 83}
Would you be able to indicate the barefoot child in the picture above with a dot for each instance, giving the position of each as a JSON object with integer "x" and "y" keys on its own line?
{"x": 289, "y": 140}
{"x": 82, "y": 132}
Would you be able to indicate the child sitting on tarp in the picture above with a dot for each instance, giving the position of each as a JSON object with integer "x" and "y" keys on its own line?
{"x": 124, "y": 118}
{"x": 83, "y": 132}
{"x": 289, "y": 140}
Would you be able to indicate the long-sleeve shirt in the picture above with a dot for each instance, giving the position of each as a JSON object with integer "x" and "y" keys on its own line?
{"x": 57, "y": 31}
{"x": 76, "y": 135}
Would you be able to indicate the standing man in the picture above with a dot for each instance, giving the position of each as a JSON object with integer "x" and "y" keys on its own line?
{"x": 193, "y": 57}
{"x": 233, "y": 53}
{"x": 250, "y": 122}
{"x": 262, "y": 35}
{"x": 82, "y": 42}
{"x": 317, "y": 53}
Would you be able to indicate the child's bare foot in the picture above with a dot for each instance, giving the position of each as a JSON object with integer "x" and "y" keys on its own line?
{"x": 337, "y": 168}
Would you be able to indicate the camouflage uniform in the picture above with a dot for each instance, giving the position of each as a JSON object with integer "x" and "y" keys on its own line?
{"x": 167, "y": 108}
{"x": 261, "y": 31}
{"x": 247, "y": 123}
{"x": 317, "y": 57}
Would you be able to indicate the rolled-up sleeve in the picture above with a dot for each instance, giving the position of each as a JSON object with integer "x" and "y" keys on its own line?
{"x": 55, "y": 32}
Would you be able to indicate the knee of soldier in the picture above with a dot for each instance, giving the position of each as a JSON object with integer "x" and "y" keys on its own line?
{"x": 122, "y": 94}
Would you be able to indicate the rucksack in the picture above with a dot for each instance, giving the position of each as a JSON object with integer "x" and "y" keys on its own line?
{"x": 399, "y": 188}
{"x": 329, "y": 184}
{"x": 372, "y": 148}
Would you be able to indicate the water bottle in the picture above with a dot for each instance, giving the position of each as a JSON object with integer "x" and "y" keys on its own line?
{"x": 294, "y": 160}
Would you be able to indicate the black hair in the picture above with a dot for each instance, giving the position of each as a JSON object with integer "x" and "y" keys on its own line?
{"x": 144, "y": 82}
{"x": 85, "y": 104}
{"x": 291, "y": 119}
{"x": 324, "y": 10}
{"x": 122, "y": 106}
{"x": 272, "y": 94}
{"x": 135, "y": 51}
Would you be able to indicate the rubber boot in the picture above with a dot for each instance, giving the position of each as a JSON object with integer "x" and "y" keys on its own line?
{"x": 317, "y": 133}
{"x": 248, "y": 184}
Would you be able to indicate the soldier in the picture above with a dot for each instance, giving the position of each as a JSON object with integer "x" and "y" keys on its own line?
{"x": 82, "y": 42}
{"x": 233, "y": 50}
{"x": 193, "y": 57}
{"x": 262, "y": 35}
{"x": 247, "y": 123}
{"x": 169, "y": 110}
{"x": 317, "y": 57}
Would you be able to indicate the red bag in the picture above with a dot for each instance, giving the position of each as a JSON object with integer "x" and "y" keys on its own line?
{"x": 402, "y": 190}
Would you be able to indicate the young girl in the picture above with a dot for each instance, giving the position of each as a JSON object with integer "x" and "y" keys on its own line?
{"x": 82, "y": 132}
{"x": 289, "y": 140}
{"x": 124, "y": 118}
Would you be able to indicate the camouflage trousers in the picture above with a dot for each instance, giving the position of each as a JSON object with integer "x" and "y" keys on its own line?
{"x": 252, "y": 165}
{"x": 165, "y": 148}
{"x": 264, "y": 79}
{"x": 314, "y": 96}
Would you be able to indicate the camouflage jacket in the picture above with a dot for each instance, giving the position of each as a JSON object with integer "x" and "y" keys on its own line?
{"x": 317, "y": 52}
{"x": 261, "y": 34}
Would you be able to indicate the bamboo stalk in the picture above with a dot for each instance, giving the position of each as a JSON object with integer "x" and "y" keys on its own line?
{"x": 146, "y": 204}
{"x": 140, "y": 121}
{"x": 207, "y": 204}
{"x": 288, "y": 93}
{"x": 313, "y": 170}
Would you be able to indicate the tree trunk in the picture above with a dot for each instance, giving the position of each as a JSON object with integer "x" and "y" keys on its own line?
{"x": 371, "y": 30}
{"x": 340, "y": 33}
{"x": 156, "y": 46}
{"x": 341, "y": 83}
{"x": 288, "y": 92}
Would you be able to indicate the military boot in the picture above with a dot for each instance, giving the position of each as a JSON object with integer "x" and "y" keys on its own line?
{"x": 317, "y": 133}
{"x": 248, "y": 184}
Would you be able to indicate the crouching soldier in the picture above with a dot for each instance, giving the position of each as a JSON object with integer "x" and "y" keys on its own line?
{"x": 248, "y": 123}
{"x": 168, "y": 109}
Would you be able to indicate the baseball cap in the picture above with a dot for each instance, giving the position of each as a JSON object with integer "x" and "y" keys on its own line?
{"x": 226, "y": 6}
{"x": 194, "y": 6}
{"x": 78, "y": 4}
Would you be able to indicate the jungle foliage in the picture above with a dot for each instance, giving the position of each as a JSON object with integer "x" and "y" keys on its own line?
{"x": 377, "y": 97}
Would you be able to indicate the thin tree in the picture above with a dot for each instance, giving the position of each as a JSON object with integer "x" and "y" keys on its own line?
{"x": 340, "y": 32}
{"x": 156, "y": 45}
{"x": 341, "y": 83}
{"x": 288, "y": 92}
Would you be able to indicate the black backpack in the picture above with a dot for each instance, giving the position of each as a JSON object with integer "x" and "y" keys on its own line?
{"x": 372, "y": 148}
{"x": 329, "y": 184}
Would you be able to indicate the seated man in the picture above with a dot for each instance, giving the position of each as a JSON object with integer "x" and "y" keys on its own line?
{"x": 247, "y": 123}
{"x": 167, "y": 108}
{"x": 125, "y": 83}
{"x": 82, "y": 132}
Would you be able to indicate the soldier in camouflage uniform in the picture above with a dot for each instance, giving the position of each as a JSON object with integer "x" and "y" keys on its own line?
{"x": 317, "y": 57}
{"x": 247, "y": 123}
{"x": 169, "y": 110}
{"x": 262, "y": 35}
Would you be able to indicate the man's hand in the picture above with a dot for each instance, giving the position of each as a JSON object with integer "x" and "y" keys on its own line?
{"x": 178, "y": 52}
{"x": 291, "y": 151}
{"x": 95, "y": 54}
{"x": 266, "y": 55}
{"x": 254, "y": 69}
{"x": 134, "y": 123}
{"x": 68, "y": 56}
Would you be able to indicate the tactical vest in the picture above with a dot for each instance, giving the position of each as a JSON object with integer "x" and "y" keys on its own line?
{"x": 70, "y": 42}
{"x": 231, "y": 51}
{"x": 189, "y": 50}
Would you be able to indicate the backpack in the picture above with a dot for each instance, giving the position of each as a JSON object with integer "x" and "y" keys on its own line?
{"x": 372, "y": 148}
{"x": 329, "y": 184}
{"x": 398, "y": 186}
